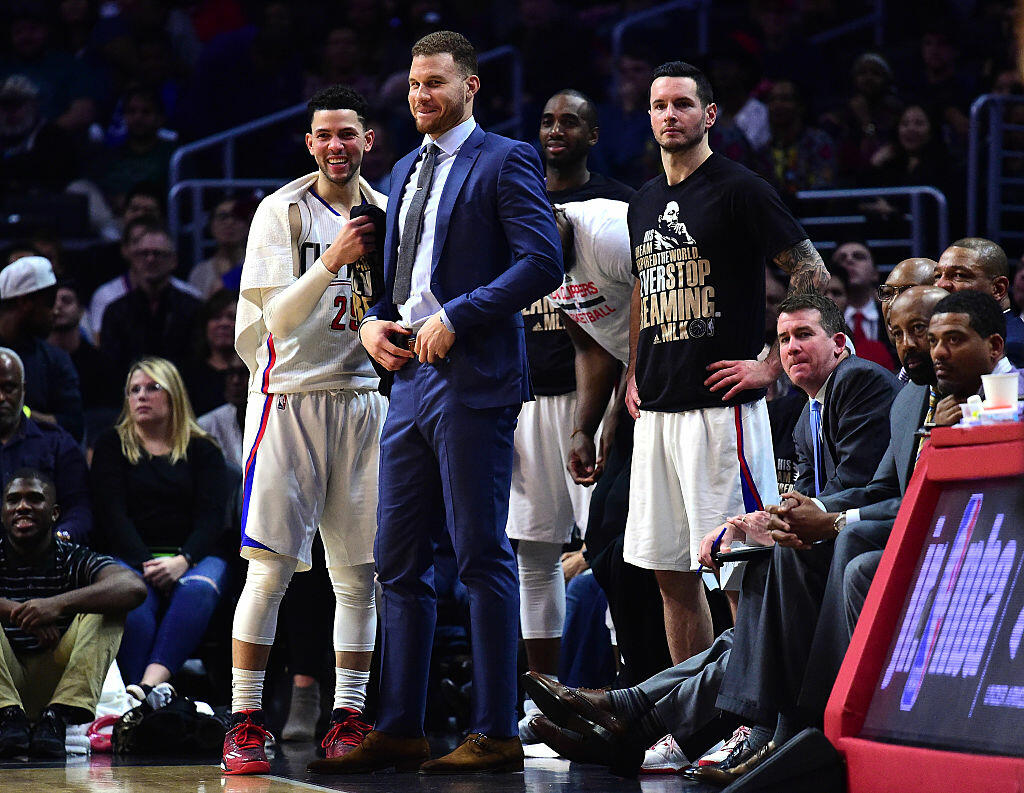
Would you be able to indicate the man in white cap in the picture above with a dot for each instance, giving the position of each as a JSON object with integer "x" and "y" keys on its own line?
{"x": 28, "y": 288}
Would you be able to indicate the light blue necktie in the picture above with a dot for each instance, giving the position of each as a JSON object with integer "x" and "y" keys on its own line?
{"x": 816, "y": 443}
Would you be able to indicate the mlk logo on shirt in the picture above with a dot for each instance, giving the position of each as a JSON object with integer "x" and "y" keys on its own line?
{"x": 676, "y": 299}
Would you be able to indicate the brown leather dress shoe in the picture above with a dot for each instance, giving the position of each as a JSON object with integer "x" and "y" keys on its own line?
{"x": 581, "y": 710}
{"x": 377, "y": 752}
{"x": 479, "y": 754}
{"x": 568, "y": 744}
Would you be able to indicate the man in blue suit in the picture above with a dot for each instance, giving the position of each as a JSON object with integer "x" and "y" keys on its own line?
{"x": 471, "y": 241}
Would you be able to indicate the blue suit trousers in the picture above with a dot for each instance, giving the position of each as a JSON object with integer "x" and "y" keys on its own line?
{"x": 445, "y": 466}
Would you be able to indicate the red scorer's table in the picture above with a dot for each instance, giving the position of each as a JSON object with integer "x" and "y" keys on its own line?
{"x": 930, "y": 696}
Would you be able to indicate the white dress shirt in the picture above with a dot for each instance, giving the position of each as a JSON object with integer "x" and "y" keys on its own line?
{"x": 422, "y": 304}
{"x": 871, "y": 318}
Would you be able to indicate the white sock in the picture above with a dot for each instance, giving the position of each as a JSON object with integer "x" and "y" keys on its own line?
{"x": 246, "y": 689}
{"x": 350, "y": 688}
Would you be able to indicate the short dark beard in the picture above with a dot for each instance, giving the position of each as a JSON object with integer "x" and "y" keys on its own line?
{"x": 354, "y": 173}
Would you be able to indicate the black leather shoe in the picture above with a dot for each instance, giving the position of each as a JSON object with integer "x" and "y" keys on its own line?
{"x": 581, "y": 710}
{"x": 14, "y": 731}
{"x": 729, "y": 770}
{"x": 48, "y": 736}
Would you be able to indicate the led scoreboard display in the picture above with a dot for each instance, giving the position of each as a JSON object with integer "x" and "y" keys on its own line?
{"x": 930, "y": 696}
{"x": 954, "y": 674}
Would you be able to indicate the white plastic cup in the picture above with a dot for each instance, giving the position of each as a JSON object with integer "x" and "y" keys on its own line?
{"x": 1000, "y": 389}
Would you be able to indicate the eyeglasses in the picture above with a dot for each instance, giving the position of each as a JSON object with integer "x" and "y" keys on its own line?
{"x": 888, "y": 293}
{"x": 146, "y": 253}
{"x": 149, "y": 388}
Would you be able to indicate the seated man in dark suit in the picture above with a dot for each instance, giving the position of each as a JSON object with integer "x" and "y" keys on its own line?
{"x": 62, "y": 608}
{"x": 980, "y": 265}
{"x": 852, "y": 424}
{"x": 26, "y": 443}
{"x": 783, "y": 669}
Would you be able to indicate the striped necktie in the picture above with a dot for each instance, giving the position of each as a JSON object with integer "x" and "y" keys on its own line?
{"x": 933, "y": 400}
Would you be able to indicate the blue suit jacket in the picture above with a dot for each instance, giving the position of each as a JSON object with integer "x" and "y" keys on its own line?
{"x": 496, "y": 251}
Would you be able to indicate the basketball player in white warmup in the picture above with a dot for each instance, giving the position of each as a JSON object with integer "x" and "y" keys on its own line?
{"x": 312, "y": 425}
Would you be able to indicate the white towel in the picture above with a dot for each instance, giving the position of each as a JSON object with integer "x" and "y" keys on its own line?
{"x": 271, "y": 258}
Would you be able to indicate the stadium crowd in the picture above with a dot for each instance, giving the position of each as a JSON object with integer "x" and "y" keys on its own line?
{"x": 123, "y": 400}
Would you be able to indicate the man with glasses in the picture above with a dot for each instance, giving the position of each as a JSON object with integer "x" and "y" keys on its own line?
{"x": 980, "y": 265}
{"x": 155, "y": 317}
{"x": 916, "y": 271}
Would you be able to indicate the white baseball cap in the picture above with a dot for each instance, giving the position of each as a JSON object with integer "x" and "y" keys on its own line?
{"x": 26, "y": 275}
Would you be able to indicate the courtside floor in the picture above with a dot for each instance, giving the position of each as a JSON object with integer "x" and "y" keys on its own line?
{"x": 103, "y": 773}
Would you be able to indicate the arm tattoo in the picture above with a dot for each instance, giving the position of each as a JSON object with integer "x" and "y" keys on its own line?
{"x": 807, "y": 272}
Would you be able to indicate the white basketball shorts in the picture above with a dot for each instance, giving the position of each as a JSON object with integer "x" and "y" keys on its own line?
{"x": 545, "y": 503}
{"x": 311, "y": 463}
{"x": 690, "y": 472}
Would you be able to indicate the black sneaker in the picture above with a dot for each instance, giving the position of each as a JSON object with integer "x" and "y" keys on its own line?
{"x": 13, "y": 731}
{"x": 48, "y": 735}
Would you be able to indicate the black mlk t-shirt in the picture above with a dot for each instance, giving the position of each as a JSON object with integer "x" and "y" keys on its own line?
{"x": 548, "y": 346}
{"x": 699, "y": 251}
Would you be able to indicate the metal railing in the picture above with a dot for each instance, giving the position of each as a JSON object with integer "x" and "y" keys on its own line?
{"x": 639, "y": 18}
{"x": 927, "y": 236}
{"x": 986, "y": 183}
{"x": 194, "y": 189}
{"x": 874, "y": 20}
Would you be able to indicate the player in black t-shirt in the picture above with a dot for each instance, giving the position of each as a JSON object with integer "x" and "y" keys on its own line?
{"x": 701, "y": 236}
{"x": 545, "y": 503}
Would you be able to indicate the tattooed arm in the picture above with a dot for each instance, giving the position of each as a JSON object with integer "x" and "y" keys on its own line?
{"x": 807, "y": 272}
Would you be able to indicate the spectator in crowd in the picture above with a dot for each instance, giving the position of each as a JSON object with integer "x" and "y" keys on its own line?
{"x": 916, "y": 156}
{"x": 863, "y": 312}
{"x": 28, "y": 289}
{"x": 155, "y": 316}
{"x": 28, "y": 140}
{"x": 939, "y": 81}
{"x": 734, "y": 76}
{"x": 802, "y": 157}
{"x": 853, "y": 396}
{"x": 130, "y": 278}
{"x": 1017, "y": 289}
{"x": 75, "y": 22}
{"x": 68, "y": 90}
{"x": 159, "y": 485}
{"x": 342, "y": 61}
{"x": 62, "y": 607}
{"x": 868, "y": 119}
{"x": 977, "y": 264}
{"x": 69, "y": 334}
{"x": 46, "y": 447}
{"x": 229, "y": 227}
{"x": 263, "y": 65}
{"x": 226, "y": 423}
{"x": 778, "y": 33}
{"x": 836, "y": 289}
{"x": 623, "y": 148}
{"x": 205, "y": 372}
{"x": 144, "y": 156}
